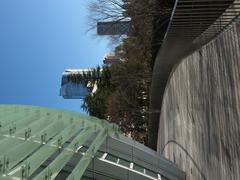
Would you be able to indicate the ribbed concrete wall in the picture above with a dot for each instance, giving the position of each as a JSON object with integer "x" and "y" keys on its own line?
{"x": 200, "y": 120}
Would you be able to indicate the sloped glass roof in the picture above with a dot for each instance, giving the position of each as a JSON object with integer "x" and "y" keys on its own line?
{"x": 31, "y": 135}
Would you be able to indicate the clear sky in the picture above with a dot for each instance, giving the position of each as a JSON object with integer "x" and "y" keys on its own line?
{"x": 39, "y": 39}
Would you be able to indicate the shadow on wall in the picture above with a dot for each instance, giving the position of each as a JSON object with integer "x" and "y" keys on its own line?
{"x": 187, "y": 154}
{"x": 201, "y": 111}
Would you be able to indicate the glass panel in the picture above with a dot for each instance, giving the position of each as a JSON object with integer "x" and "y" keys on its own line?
{"x": 111, "y": 158}
{"x": 138, "y": 168}
{"x": 124, "y": 162}
{"x": 99, "y": 154}
{"x": 83, "y": 149}
{"x": 86, "y": 159}
{"x": 31, "y": 135}
{"x": 36, "y": 159}
{"x": 55, "y": 167}
{"x": 151, "y": 173}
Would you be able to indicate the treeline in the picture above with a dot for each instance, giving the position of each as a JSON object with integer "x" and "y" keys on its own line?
{"x": 123, "y": 89}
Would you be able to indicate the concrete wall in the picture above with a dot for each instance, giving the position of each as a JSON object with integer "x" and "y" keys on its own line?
{"x": 199, "y": 125}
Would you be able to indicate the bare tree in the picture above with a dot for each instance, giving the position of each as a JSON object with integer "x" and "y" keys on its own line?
{"x": 141, "y": 13}
{"x": 124, "y": 10}
{"x": 107, "y": 10}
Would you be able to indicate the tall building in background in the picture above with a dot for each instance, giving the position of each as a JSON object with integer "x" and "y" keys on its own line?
{"x": 71, "y": 90}
{"x": 114, "y": 28}
{"x": 114, "y": 57}
{"x": 110, "y": 58}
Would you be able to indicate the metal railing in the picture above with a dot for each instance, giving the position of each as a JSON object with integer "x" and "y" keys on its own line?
{"x": 196, "y": 22}
{"x": 193, "y": 23}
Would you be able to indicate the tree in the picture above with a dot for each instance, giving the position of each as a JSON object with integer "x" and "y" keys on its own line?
{"x": 106, "y": 10}
{"x": 99, "y": 77}
{"x": 119, "y": 95}
{"x": 127, "y": 105}
{"x": 87, "y": 78}
{"x": 125, "y": 100}
{"x": 120, "y": 10}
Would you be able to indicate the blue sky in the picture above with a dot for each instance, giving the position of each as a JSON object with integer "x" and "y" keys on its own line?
{"x": 39, "y": 39}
